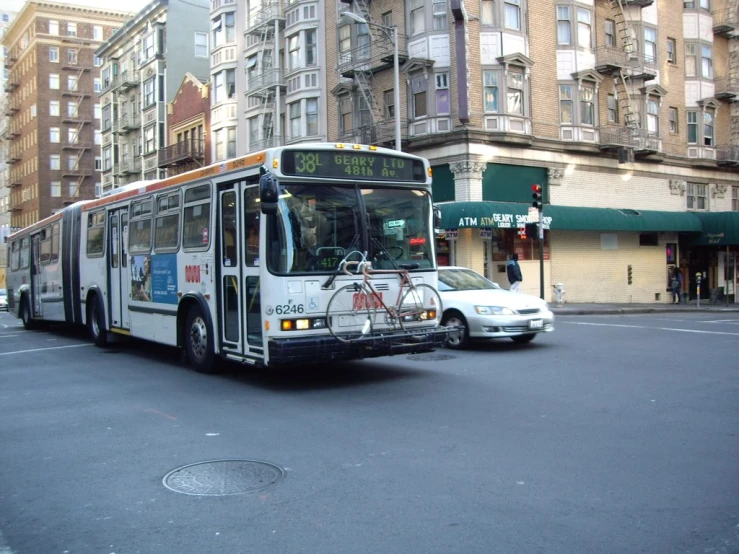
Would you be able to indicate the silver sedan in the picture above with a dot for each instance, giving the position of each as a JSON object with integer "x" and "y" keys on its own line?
{"x": 480, "y": 309}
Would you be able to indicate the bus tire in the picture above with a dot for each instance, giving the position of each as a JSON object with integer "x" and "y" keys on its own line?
{"x": 96, "y": 322}
{"x": 198, "y": 339}
{"x": 26, "y": 314}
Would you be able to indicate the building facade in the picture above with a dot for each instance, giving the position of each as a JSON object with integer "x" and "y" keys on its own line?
{"x": 143, "y": 66}
{"x": 622, "y": 110}
{"x": 51, "y": 110}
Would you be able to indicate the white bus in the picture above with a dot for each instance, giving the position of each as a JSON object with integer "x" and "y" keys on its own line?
{"x": 237, "y": 260}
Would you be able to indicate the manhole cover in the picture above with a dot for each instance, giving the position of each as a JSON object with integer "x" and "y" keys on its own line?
{"x": 223, "y": 477}
{"x": 431, "y": 357}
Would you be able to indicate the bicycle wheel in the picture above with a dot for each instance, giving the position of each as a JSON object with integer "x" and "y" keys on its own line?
{"x": 420, "y": 305}
{"x": 350, "y": 314}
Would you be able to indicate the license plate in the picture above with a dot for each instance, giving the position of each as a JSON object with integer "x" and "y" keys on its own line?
{"x": 536, "y": 324}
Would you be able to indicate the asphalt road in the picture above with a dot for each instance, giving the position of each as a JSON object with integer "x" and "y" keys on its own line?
{"x": 614, "y": 434}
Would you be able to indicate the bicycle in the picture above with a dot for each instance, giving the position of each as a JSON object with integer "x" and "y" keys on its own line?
{"x": 352, "y": 311}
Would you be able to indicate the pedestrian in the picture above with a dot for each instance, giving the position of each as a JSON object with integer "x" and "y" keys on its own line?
{"x": 676, "y": 284}
{"x": 514, "y": 273}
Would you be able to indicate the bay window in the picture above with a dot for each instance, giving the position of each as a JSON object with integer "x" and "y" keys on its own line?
{"x": 514, "y": 96}
{"x": 490, "y": 92}
{"x": 565, "y": 104}
{"x": 587, "y": 106}
{"x": 512, "y": 14}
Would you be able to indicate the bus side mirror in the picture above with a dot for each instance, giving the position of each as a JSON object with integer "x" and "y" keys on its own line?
{"x": 437, "y": 218}
{"x": 269, "y": 192}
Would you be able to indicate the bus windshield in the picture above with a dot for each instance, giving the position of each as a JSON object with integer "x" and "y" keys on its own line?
{"x": 317, "y": 225}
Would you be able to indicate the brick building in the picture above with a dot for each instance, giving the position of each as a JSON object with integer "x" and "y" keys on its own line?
{"x": 53, "y": 76}
{"x": 188, "y": 120}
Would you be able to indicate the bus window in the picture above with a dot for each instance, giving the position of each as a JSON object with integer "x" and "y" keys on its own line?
{"x": 55, "y": 243}
{"x": 95, "y": 234}
{"x": 124, "y": 242}
{"x": 45, "y": 246}
{"x": 139, "y": 232}
{"x": 114, "y": 242}
{"x": 229, "y": 246}
{"x": 15, "y": 255}
{"x": 251, "y": 224}
{"x": 196, "y": 218}
{"x": 167, "y": 226}
{"x": 25, "y": 252}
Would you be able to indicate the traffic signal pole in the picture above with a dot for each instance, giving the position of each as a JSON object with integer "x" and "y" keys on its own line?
{"x": 538, "y": 203}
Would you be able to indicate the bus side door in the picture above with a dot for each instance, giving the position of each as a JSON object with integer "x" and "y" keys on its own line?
{"x": 118, "y": 280}
{"x": 36, "y": 276}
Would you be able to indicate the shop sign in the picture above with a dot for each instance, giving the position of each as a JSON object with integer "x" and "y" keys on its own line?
{"x": 452, "y": 234}
{"x": 504, "y": 221}
{"x": 486, "y": 233}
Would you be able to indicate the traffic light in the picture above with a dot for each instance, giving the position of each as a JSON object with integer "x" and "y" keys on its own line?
{"x": 630, "y": 275}
{"x": 536, "y": 196}
{"x": 531, "y": 229}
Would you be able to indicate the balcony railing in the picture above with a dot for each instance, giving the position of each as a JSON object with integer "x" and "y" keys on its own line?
{"x": 265, "y": 79}
{"x": 633, "y": 64}
{"x": 724, "y": 21}
{"x": 126, "y": 80}
{"x": 181, "y": 153}
{"x": 727, "y": 155}
{"x": 383, "y": 132}
{"x": 640, "y": 140}
{"x": 129, "y": 122}
{"x": 725, "y": 88}
{"x": 130, "y": 166}
{"x": 266, "y": 16}
{"x": 374, "y": 56}
{"x": 271, "y": 142}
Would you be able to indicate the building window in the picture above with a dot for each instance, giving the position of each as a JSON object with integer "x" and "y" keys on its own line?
{"x": 149, "y": 143}
{"x": 419, "y": 85}
{"x": 97, "y": 61}
{"x": 490, "y": 92}
{"x": 53, "y": 54}
{"x": 56, "y": 189}
{"x": 512, "y": 14}
{"x": 97, "y": 32}
{"x": 73, "y": 136}
{"x": 708, "y": 128}
{"x": 72, "y": 56}
{"x": 54, "y": 81}
{"x": 389, "y": 102}
{"x": 610, "y": 32}
{"x": 311, "y": 117}
{"x": 293, "y": 47}
{"x": 148, "y": 48}
{"x": 345, "y": 113}
{"x": 696, "y": 196}
{"x": 652, "y": 117}
{"x": 417, "y": 17}
{"x": 149, "y": 92}
{"x": 107, "y": 110}
{"x": 345, "y": 43}
{"x": 705, "y": 5}
{"x": 650, "y": 45}
{"x": 54, "y": 109}
{"x": 735, "y": 199}
{"x": 253, "y": 130}
{"x": 72, "y": 81}
{"x": 106, "y": 158}
{"x": 72, "y": 162}
{"x": 439, "y": 10}
{"x": 689, "y": 4}
{"x": 72, "y": 29}
{"x": 72, "y": 110}
{"x": 97, "y": 84}
{"x": 295, "y": 120}
{"x": 587, "y": 106}
{"x": 443, "y": 100}
{"x": 230, "y": 30}
{"x": 53, "y": 27}
{"x": 54, "y": 135}
{"x": 671, "y": 51}
{"x": 231, "y": 146}
{"x": 55, "y": 162}
{"x": 487, "y": 12}
{"x": 690, "y": 67}
{"x": 98, "y": 163}
{"x": 692, "y": 119}
{"x": 514, "y": 94}
{"x": 584, "y": 28}
{"x": 230, "y": 84}
{"x": 706, "y": 61}
{"x": 201, "y": 45}
{"x": 310, "y": 48}
{"x": 220, "y": 145}
{"x": 387, "y": 19}
{"x": 673, "y": 120}
{"x": 98, "y": 137}
{"x": 564, "y": 27}
{"x": 565, "y": 104}
{"x": 612, "y": 109}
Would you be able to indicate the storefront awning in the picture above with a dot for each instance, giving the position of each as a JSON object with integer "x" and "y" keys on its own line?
{"x": 719, "y": 228}
{"x": 456, "y": 215}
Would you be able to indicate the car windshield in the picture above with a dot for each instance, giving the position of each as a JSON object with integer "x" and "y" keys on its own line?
{"x": 317, "y": 225}
{"x": 463, "y": 279}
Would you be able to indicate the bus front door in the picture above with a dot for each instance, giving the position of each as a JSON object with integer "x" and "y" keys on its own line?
{"x": 36, "y": 277}
{"x": 118, "y": 270}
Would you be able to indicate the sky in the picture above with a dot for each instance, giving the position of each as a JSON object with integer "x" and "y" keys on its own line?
{"x": 130, "y": 5}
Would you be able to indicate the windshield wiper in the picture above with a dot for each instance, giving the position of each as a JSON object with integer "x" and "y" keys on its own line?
{"x": 336, "y": 273}
{"x": 382, "y": 249}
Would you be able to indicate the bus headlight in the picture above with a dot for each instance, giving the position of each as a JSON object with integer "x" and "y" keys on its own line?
{"x": 302, "y": 324}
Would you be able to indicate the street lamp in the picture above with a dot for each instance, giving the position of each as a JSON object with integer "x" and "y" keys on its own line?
{"x": 396, "y": 66}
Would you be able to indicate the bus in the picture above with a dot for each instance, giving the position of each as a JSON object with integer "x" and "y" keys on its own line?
{"x": 237, "y": 260}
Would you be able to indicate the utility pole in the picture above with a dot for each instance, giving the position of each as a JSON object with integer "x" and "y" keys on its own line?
{"x": 538, "y": 203}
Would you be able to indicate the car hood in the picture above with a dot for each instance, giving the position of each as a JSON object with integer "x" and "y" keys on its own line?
{"x": 491, "y": 297}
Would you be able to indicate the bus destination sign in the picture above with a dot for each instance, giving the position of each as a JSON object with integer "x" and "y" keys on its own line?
{"x": 350, "y": 164}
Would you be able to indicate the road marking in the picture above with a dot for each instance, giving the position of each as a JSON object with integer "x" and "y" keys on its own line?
{"x": 2, "y": 336}
{"x": 653, "y": 328}
{"x": 41, "y": 350}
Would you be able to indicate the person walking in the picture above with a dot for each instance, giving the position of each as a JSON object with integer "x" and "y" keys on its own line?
{"x": 676, "y": 284}
{"x": 514, "y": 273}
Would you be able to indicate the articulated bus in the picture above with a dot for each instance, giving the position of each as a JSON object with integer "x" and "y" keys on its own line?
{"x": 237, "y": 260}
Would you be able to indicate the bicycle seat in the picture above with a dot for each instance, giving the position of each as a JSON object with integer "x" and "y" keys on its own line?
{"x": 410, "y": 266}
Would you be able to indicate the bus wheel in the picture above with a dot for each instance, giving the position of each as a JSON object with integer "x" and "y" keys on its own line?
{"x": 198, "y": 342}
{"x": 95, "y": 323}
{"x": 26, "y": 314}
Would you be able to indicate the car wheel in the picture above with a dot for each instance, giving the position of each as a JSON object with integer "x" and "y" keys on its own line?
{"x": 523, "y": 339}
{"x": 460, "y": 336}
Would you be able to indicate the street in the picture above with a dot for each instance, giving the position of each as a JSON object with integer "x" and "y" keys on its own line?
{"x": 613, "y": 434}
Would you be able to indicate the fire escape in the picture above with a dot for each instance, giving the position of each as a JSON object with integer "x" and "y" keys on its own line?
{"x": 727, "y": 85}
{"x": 630, "y": 69}
{"x": 125, "y": 81}
{"x": 267, "y": 84}
{"x": 371, "y": 52}
{"x": 73, "y": 145}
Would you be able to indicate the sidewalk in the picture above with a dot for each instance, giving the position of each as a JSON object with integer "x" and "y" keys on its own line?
{"x": 657, "y": 307}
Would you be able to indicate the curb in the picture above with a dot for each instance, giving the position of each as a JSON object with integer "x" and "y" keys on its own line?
{"x": 621, "y": 311}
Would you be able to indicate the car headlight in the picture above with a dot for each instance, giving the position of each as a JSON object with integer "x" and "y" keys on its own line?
{"x": 494, "y": 310}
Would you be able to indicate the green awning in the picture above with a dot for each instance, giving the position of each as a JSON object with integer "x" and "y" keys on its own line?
{"x": 719, "y": 228}
{"x": 456, "y": 215}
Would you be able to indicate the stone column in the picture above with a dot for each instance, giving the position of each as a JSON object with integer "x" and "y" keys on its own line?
{"x": 468, "y": 188}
